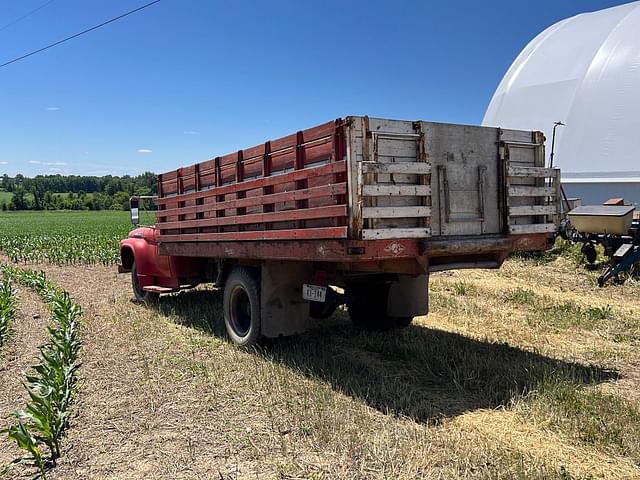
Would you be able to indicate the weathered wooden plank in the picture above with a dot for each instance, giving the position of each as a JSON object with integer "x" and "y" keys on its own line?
{"x": 532, "y": 228}
{"x": 516, "y": 171}
{"x": 420, "y": 168}
{"x": 532, "y": 210}
{"x": 307, "y": 193}
{"x": 396, "y": 190}
{"x": 306, "y": 173}
{"x": 288, "y": 234}
{"x": 395, "y": 212}
{"x": 282, "y": 216}
{"x": 390, "y": 233}
{"x": 528, "y": 191}
{"x": 327, "y": 249}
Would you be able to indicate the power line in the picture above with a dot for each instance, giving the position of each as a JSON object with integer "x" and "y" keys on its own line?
{"x": 79, "y": 33}
{"x": 13, "y": 22}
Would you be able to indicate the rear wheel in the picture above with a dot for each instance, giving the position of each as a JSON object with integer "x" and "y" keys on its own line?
{"x": 241, "y": 306}
{"x": 403, "y": 321}
{"x": 367, "y": 305}
{"x": 141, "y": 295}
{"x": 590, "y": 252}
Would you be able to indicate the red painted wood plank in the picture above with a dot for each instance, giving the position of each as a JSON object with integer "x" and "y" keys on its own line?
{"x": 284, "y": 216}
{"x": 314, "y": 192}
{"x": 334, "y": 167}
{"x": 289, "y": 234}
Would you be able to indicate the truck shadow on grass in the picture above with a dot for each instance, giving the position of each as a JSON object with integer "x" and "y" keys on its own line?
{"x": 422, "y": 373}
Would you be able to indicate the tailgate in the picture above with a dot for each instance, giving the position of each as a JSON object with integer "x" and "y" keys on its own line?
{"x": 424, "y": 180}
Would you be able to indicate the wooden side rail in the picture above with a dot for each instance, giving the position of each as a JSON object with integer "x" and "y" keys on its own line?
{"x": 290, "y": 188}
{"x": 544, "y": 203}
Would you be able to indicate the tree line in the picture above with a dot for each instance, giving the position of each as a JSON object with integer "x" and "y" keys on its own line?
{"x": 74, "y": 192}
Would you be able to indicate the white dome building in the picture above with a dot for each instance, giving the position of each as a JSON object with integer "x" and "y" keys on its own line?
{"x": 585, "y": 72}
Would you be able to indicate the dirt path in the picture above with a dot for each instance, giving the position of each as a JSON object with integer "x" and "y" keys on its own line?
{"x": 139, "y": 415}
{"x": 163, "y": 396}
{"x": 16, "y": 358}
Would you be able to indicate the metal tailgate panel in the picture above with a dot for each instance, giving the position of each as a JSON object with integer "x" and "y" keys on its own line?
{"x": 466, "y": 179}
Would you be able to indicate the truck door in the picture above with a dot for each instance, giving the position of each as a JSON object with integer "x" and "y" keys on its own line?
{"x": 467, "y": 191}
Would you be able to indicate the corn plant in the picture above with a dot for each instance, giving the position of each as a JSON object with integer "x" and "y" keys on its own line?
{"x": 51, "y": 382}
{"x": 7, "y": 310}
{"x": 63, "y": 238}
{"x": 25, "y": 440}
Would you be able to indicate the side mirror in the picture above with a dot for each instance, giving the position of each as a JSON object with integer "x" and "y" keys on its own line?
{"x": 134, "y": 206}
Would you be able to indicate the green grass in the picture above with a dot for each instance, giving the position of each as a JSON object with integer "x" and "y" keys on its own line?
{"x": 589, "y": 416}
{"x": 5, "y": 197}
{"x": 561, "y": 248}
{"x": 7, "y": 310}
{"x": 539, "y": 311}
{"x": 63, "y": 237}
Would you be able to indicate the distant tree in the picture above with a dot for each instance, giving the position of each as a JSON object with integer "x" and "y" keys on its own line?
{"x": 19, "y": 200}
{"x": 49, "y": 200}
{"x": 55, "y": 192}
{"x": 120, "y": 201}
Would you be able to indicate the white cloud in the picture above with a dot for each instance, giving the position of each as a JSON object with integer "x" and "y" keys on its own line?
{"x": 59, "y": 164}
{"x": 4, "y": 163}
{"x": 191, "y": 132}
{"x": 144, "y": 150}
{"x": 35, "y": 162}
{"x": 53, "y": 109}
{"x": 55, "y": 169}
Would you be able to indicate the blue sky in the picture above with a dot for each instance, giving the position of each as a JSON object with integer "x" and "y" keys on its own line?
{"x": 186, "y": 80}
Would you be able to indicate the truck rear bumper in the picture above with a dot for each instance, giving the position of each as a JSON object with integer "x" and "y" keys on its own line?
{"x": 453, "y": 246}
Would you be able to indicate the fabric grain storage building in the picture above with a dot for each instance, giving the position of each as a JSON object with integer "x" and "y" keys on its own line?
{"x": 585, "y": 72}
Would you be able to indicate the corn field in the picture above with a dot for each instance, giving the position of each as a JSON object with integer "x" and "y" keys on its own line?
{"x": 51, "y": 382}
{"x": 63, "y": 238}
{"x": 7, "y": 310}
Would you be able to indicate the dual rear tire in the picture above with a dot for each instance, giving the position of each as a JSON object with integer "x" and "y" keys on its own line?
{"x": 367, "y": 304}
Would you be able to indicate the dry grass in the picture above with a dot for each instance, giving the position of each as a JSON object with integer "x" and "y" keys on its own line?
{"x": 513, "y": 375}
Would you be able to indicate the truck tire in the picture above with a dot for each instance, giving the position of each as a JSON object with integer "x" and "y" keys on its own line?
{"x": 367, "y": 305}
{"x": 141, "y": 295}
{"x": 241, "y": 305}
{"x": 403, "y": 322}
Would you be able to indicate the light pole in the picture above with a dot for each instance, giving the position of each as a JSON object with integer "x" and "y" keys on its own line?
{"x": 553, "y": 141}
{"x": 553, "y": 145}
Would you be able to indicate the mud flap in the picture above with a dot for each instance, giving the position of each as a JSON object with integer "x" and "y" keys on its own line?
{"x": 283, "y": 310}
{"x": 409, "y": 296}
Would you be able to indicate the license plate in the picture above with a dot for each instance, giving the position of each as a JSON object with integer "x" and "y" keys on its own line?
{"x": 314, "y": 293}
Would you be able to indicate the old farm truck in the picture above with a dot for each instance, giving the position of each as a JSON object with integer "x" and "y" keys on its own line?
{"x": 357, "y": 211}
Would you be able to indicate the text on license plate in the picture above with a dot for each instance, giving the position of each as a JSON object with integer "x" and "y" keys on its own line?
{"x": 314, "y": 293}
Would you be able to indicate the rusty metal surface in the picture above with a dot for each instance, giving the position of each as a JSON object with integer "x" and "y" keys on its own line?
{"x": 312, "y": 250}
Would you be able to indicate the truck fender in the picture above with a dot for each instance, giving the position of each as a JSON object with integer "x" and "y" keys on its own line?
{"x": 133, "y": 249}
